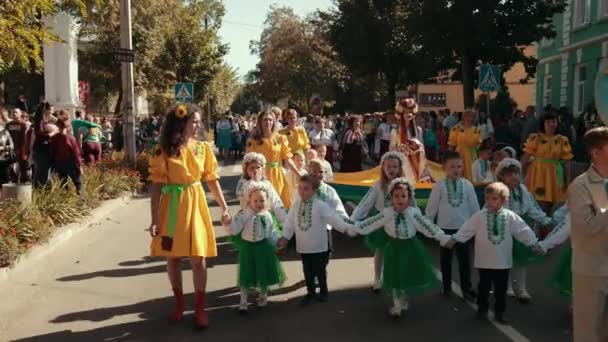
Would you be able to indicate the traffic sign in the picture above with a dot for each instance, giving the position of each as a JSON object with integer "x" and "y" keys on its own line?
{"x": 184, "y": 92}
{"x": 489, "y": 78}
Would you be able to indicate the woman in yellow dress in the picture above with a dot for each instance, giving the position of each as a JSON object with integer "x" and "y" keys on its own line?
{"x": 181, "y": 223}
{"x": 466, "y": 139}
{"x": 267, "y": 141}
{"x": 297, "y": 138}
{"x": 544, "y": 156}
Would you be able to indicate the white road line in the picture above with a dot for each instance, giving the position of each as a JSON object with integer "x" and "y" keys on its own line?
{"x": 506, "y": 329}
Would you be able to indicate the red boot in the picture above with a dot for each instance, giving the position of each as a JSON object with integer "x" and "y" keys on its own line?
{"x": 200, "y": 315}
{"x": 180, "y": 306}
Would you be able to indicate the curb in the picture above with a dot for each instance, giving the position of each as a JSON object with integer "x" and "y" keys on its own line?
{"x": 63, "y": 234}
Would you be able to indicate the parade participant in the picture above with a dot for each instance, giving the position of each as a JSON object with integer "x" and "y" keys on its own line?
{"x": 465, "y": 139}
{"x": 353, "y": 146}
{"x": 310, "y": 155}
{"x": 293, "y": 178}
{"x": 321, "y": 136}
{"x": 482, "y": 167}
{"x": 322, "y": 153}
{"x": 561, "y": 279}
{"x": 523, "y": 204}
{"x": 587, "y": 205}
{"x": 266, "y": 141}
{"x": 545, "y": 173}
{"x": 494, "y": 229}
{"x": 181, "y": 222}
{"x": 406, "y": 139}
{"x": 325, "y": 192}
{"x": 408, "y": 268}
{"x": 253, "y": 171}
{"x": 297, "y": 137}
{"x": 224, "y": 136}
{"x": 452, "y": 202}
{"x": 255, "y": 236}
{"x": 308, "y": 220}
{"x": 375, "y": 200}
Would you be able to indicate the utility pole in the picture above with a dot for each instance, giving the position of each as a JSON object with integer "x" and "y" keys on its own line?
{"x": 126, "y": 45}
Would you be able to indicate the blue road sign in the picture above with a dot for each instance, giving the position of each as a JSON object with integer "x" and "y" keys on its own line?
{"x": 184, "y": 92}
{"x": 489, "y": 77}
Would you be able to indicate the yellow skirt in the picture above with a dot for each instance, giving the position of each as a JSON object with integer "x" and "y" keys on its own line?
{"x": 542, "y": 182}
{"x": 276, "y": 176}
{"x": 194, "y": 234}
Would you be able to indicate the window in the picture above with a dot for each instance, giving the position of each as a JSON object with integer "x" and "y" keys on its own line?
{"x": 582, "y": 12}
{"x": 547, "y": 90}
{"x": 580, "y": 76}
{"x": 602, "y": 11}
{"x": 432, "y": 99}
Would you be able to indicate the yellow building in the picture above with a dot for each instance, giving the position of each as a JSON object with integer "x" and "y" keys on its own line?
{"x": 435, "y": 96}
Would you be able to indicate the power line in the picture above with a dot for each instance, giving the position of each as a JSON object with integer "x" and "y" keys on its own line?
{"x": 238, "y": 23}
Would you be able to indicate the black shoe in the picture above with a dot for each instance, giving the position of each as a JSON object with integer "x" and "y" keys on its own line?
{"x": 307, "y": 300}
{"x": 323, "y": 297}
{"x": 447, "y": 293}
{"x": 469, "y": 295}
{"x": 500, "y": 318}
{"x": 482, "y": 315}
{"x": 523, "y": 300}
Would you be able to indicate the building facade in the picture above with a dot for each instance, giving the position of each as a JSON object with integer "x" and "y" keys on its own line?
{"x": 568, "y": 64}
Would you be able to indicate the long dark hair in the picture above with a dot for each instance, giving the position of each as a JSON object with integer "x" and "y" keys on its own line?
{"x": 172, "y": 135}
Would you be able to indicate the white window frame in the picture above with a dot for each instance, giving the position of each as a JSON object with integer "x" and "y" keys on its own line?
{"x": 547, "y": 89}
{"x": 602, "y": 9}
{"x": 579, "y": 90}
{"x": 586, "y": 19}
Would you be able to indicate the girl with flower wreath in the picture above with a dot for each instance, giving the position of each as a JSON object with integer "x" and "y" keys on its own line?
{"x": 407, "y": 140}
{"x": 375, "y": 200}
{"x": 408, "y": 268}
{"x": 181, "y": 222}
{"x": 274, "y": 147}
{"x": 523, "y": 204}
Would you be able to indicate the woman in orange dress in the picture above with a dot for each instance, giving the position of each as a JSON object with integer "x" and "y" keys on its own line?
{"x": 544, "y": 157}
{"x": 297, "y": 138}
{"x": 181, "y": 222}
{"x": 267, "y": 141}
{"x": 466, "y": 139}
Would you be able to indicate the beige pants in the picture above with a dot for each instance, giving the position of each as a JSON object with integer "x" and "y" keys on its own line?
{"x": 590, "y": 300}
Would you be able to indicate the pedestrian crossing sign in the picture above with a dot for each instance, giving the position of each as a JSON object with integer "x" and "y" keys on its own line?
{"x": 184, "y": 92}
{"x": 489, "y": 77}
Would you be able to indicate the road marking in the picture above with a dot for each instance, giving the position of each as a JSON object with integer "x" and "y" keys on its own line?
{"x": 506, "y": 329}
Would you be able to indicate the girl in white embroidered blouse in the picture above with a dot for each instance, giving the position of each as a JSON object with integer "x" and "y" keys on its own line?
{"x": 407, "y": 265}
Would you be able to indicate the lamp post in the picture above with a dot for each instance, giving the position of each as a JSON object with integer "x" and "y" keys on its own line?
{"x": 126, "y": 52}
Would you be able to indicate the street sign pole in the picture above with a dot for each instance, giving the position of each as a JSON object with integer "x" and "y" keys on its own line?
{"x": 127, "y": 105}
{"x": 488, "y": 104}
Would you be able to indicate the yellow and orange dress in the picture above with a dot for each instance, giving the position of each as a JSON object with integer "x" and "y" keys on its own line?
{"x": 546, "y": 178}
{"x": 275, "y": 149}
{"x": 296, "y": 139}
{"x": 466, "y": 142}
{"x": 185, "y": 225}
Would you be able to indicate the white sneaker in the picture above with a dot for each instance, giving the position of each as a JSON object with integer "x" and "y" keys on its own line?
{"x": 377, "y": 286}
{"x": 523, "y": 294}
{"x": 395, "y": 312}
{"x": 262, "y": 300}
{"x": 510, "y": 292}
{"x": 243, "y": 307}
{"x": 405, "y": 304}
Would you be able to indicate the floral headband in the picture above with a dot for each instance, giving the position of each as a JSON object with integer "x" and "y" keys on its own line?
{"x": 406, "y": 104}
{"x": 181, "y": 111}
{"x": 256, "y": 186}
{"x": 393, "y": 155}
{"x": 401, "y": 181}
{"x": 507, "y": 162}
{"x": 253, "y": 156}
{"x": 510, "y": 150}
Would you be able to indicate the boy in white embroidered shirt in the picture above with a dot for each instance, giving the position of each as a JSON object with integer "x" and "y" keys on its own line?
{"x": 451, "y": 203}
{"x": 308, "y": 219}
{"x": 494, "y": 229}
{"x": 482, "y": 168}
{"x": 329, "y": 172}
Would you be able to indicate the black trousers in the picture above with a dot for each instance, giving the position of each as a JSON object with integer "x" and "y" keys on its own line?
{"x": 464, "y": 264}
{"x": 498, "y": 279}
{"x": 315, "y": 266}
{"x": 69, "y": 170}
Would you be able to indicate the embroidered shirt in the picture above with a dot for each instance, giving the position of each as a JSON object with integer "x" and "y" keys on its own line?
{"x": 482, "y": 172}
{"x": 276, "y": 205}
{"x": 524, "y": 205}
{"x": 452, "y": 202}
{"x": 254, "y": 227}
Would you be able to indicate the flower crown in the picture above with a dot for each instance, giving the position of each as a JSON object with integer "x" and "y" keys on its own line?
{"x": 253, "y": 156}
{"x": 507, "y": 162}
{"x": 393, "y": 155}
{"x": 406, "y": 104}
{"x": 401, "y": 181}
{"x": 510, "y": 150}
{"x": 181, "y": 111}
{"x": 256, "y": 186}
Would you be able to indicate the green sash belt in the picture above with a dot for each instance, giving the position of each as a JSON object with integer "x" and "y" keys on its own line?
{"x": 474, "y": 152}
{"x": 175, "y": 190}
{"x": 273, "y": 165}
{"x": 559, "y": 164}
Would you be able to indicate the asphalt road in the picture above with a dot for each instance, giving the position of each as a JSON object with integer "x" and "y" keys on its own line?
{"x": 101, "y": 286}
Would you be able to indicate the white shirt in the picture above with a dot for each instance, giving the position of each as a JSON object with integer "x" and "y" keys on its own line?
{"x": 482, "y": 171}
{"x": 329, "y": 196}
{"x": 524, "y": 205}
{"x": 276, "y": 204}
{"x": 329, "y": 172}
{"x": 385, "y": 131}
{"x": 325, "y": 137}
{"x": 452, "y": 208}
{"x": 404, "y": 227}
{"x": 374, "y": 198}
{"x": 487, "y": 129}
{"x": 558, "y": 235}
{"x": 496, "y": 253}
{"x": 309, "y": 220}
{"x": 253, "y": 227}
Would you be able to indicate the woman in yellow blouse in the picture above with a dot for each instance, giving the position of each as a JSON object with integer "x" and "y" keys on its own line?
{"x": 544, "y": 156}
{"x": 297, "y": 138}
{"x": 181, "y": 223}
{"x": 265, "y": 140}
{"x": 465, "y": 139}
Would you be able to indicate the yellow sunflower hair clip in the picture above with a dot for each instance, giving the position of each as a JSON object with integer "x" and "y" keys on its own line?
{"x": 181, "y": 111}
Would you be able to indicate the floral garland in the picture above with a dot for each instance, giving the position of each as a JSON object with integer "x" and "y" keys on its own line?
{"x": 305, "y": 215}
{"x": 495, "y": 224}
{"x": 455, "y": 192}
{"x": 402, "y": 230}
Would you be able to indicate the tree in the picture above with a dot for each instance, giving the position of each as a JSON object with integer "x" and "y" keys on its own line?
{"x": 223, "y": 90}
{"x": 466, "y": 32}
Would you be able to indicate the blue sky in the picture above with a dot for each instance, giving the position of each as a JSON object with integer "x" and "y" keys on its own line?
{"x": 244, "y": 21}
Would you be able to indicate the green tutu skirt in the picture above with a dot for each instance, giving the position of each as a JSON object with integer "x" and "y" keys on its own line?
{"x": 561, "y": 279}
{"x": 259, "y": 266}
{"x": 523, "y": 255}
{"x": 407, "y": 267}
{"x": 377, "y": 239}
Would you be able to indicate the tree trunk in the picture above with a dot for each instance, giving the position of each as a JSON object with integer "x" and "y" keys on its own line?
{"x": 118, "y": 109}
{"x": 468, "y": 90}
{"x": 2, "y": 93}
